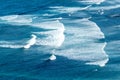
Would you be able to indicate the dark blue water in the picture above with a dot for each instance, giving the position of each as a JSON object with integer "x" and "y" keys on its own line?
{"x": 82, "y": 34}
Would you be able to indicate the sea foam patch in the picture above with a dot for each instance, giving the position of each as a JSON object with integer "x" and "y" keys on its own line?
{"x": 19, "y": 44}
{"x": 81, "y": 43}
{"x": 55, "y": 37}
{"x": 19, "y": 19}
{"x": 91, "y": 1}
{"x": 62, "y": 9}
{"x": 30, "y": 42}
{"x": 81, "y": 40}
{"x": 105, "y": 7}
{"x": 10, "y": 44}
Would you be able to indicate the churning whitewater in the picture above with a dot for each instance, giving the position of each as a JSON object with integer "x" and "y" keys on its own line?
{"x": 86, "y": 37}
{"x": 59, "y": 39}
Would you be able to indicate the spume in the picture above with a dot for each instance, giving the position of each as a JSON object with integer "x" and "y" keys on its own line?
{"x": 31, "y": 42}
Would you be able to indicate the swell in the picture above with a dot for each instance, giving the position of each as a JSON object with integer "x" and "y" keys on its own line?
{"x": 55, "y": 31}
{"x": 78, "y": 42}
{"x": 82, "y": 42}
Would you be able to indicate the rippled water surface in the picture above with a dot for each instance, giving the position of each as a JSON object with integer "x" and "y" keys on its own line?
{"x": 59, "y": 40}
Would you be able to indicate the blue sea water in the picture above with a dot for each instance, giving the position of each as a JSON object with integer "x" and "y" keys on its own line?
{"x": 82, "y": 34}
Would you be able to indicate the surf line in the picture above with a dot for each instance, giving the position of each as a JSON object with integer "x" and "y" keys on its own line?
{"x": 31, "y": 42}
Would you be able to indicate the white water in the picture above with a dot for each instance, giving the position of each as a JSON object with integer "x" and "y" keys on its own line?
{"x": 79, "y": 44}
{"x": 52, "y": 57}
{"x": 54, "y": 37}
{"x": 17, "y": 19}
{"x": 16, "y": 44}
{"x": 105, "y": 7}
{"x": 31, "y": 42}
{"x": 91, "y": 1}
{"x": 11, "y": 44}
{"x": 101, "y": 63}
{"x": 8, "y": 18}
{"x": 62, "y": 9}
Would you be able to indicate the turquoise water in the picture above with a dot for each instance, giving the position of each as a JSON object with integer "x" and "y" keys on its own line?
{"x": 82, "y": 34}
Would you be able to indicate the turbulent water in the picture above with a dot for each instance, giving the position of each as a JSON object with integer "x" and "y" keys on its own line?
{"x": 59, "y": 40}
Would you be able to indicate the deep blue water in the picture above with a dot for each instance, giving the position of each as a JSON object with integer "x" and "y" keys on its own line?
{"x": 82, "y": 34}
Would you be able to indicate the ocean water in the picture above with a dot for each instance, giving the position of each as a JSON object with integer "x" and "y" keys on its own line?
{"x": 83, "y": 35}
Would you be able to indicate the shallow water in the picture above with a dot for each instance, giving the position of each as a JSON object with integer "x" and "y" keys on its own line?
{"x": 82, "y": 34}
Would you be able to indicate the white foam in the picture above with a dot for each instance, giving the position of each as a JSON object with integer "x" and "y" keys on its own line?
{"x": 91, "y": 1}
{"x": 56, "y": 24}
{"x": 62, "y": 9}
{"x": 105, "y": 7}
{"x": 101, "y": 63}
{"x": 8, "y": 18}
{"x": 19, "y": 19}
{"x": 80, "y": 44}
{"x": 31, "y": 42}
{"x": 6, "y": 44}
{"x": 18, "y": 44}
{"x": 11, "y": 46}
{"x": 55, "y": 37}
{"x": 52, "y": 57}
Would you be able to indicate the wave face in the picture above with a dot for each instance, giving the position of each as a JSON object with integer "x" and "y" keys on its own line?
{"x": 81, "y": 35}
{"x": 31, "y": 42}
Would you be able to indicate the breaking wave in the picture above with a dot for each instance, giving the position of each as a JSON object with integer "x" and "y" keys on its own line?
{"x": 18, "y": 44}
{"x": 31, "y": 42}
{"x": 79, "y": 41}
{"x": 6, "y": 44}
{"x": 83, "y": 43}
{"x": 19, "y": 19}
{"x": 54, "y": 37}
